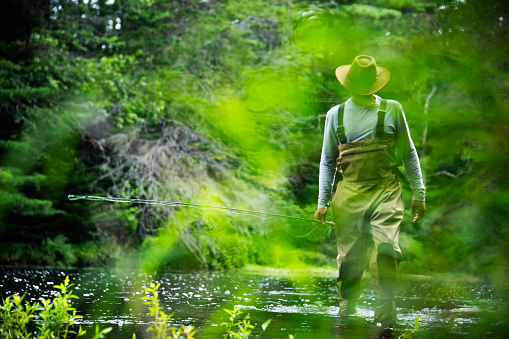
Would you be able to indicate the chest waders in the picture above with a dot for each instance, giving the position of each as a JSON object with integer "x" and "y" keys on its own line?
{"x": 367, "y": 203}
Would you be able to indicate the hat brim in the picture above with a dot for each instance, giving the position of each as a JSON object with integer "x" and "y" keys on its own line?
{"x": 378, "y": 84}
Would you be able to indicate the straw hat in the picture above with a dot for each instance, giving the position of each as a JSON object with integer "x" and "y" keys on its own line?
{"x": 363, "y": 76}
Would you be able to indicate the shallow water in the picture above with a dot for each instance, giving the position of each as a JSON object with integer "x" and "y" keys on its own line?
{"x": 297, "y": 304}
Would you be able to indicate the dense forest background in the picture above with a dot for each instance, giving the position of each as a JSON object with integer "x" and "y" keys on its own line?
{"x": 222, "y": 103}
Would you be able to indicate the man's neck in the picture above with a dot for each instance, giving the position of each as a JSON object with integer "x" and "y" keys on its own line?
{"x": 363, "y": 100}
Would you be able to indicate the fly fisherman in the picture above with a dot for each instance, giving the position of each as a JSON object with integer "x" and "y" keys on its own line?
{"x": 363, "y": 140}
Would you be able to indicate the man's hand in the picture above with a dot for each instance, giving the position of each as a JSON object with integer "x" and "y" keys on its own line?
{"x": 418, "y": 209}
{"x": 320, "y": 214}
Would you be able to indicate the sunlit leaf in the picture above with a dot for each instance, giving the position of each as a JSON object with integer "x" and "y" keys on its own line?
{"x": 265, "y": 324}
{"x": 416, "y": 326}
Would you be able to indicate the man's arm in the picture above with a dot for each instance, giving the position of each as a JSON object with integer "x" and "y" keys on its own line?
{"x": 327, "y": 163}
{"x": 411, "y": 163}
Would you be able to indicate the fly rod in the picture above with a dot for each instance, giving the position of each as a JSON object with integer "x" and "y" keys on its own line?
{"x": 73, "y": 197}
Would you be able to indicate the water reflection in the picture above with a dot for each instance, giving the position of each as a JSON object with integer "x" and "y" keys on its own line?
{"x": 296, "y": 304}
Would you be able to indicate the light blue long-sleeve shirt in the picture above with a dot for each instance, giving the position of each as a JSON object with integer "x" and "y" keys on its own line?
{"x": 360, "y": 124}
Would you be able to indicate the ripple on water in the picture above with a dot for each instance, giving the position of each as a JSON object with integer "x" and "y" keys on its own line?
{"x": 199, "y": 297}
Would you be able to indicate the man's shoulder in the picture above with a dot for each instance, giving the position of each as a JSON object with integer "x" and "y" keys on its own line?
{"x": 333, "y": 111}
{"x": 393, "y": 104}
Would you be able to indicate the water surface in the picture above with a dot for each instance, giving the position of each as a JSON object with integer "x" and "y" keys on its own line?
{"x": 297, "y": 304}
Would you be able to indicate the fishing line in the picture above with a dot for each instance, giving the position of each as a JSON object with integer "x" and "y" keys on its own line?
{"x": 301, "y": 236}
{"x": 73, "y": 197}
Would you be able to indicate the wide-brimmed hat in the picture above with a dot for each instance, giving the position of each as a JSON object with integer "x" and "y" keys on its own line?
{"x": 363, "y": 76}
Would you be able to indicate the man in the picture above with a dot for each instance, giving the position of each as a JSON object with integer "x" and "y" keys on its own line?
{"x": 363, "y": 140}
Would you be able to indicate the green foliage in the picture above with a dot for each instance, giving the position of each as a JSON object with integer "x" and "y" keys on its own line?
{"x": 54, "y": 318}
{"x": 16, "y": 317}
{"x": 57, "y": 315}
{"x": 128, "y": 95}
{"x": 238, "y": 328}
{"x": 58, "y": 252}
{"x": 408, "y": 334}
{"x": 52, "y": 251}
{"x": 160, "y": 327}
{"x": 100, "y": 253}
{"x": 446, "y": 332}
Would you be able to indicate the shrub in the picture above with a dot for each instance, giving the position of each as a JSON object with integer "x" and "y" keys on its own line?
{"x": 160, "y": 327}
{"x": 55, "y": 318}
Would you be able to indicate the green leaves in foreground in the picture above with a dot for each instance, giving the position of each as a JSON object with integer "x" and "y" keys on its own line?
{"x": 446, "y": 332}
{"x": 160, "y": 327}
{"x": 237, "y": 328}
{"x": 234, "y": 328}
{"x": 244, "y": 326}
{"x": 55, "y": 318}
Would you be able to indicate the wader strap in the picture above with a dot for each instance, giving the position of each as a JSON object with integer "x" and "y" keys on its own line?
{"x": 340, "y": 133}
{"x": 379, "y": 132}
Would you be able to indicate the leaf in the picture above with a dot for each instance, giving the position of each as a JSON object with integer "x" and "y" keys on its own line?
{"x": 265, "y": 324}
{"x": 60, "y": 287}
{"x": 81, "y": 332}
{"x": 416, "y": 326}
{"x": 451, "y": 323}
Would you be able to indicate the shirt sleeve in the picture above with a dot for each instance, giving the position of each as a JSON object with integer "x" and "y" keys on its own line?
{"x": 409, "y": 154}
{"x": 330, "y": 153}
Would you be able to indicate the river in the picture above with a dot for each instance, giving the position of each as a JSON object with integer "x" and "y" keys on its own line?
{"x": 298, "y": 304}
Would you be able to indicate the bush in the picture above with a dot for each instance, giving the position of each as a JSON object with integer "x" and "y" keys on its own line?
{"x": 160, "y": 327}
{"x": 54, "y": 318}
